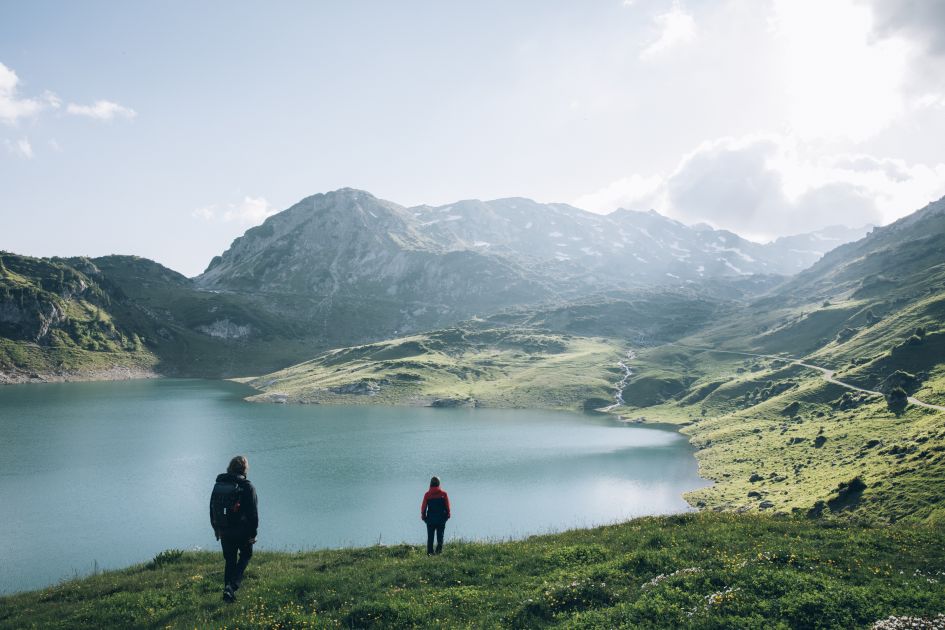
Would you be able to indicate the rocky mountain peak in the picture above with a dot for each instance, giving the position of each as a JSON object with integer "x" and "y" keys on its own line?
{"x": 348, "y": 241}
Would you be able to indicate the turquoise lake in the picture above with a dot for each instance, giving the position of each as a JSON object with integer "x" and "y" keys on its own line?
{"x": 105, "y": 475}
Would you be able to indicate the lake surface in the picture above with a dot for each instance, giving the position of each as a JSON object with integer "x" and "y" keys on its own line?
{"x": 108, "y": 474}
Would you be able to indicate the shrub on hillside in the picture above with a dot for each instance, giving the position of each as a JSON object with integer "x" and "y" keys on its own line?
{"x": 897, "y": 399}
{"x": 792, "y": 409}
{"x": 850, "y": 400}
{"x": 848, "y": 494}
{"x": 899, "y": 379}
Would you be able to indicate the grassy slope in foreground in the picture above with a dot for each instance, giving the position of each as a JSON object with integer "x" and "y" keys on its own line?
{"x": 699, "y": 570}
{"x": 496, "y": 367}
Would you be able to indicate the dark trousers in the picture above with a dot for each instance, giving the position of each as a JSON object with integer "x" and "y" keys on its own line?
{"x": 438, "y": 530}
{"x": 233, "y": 574}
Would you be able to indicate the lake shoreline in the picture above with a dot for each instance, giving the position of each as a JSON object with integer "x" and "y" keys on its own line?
{"x": 114, "y": 373}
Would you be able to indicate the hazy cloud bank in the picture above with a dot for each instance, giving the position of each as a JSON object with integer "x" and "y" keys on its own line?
{"x": 768, "y": 186}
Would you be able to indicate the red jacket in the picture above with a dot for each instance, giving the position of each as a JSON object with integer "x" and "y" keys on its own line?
{"x": 435, "y": 508}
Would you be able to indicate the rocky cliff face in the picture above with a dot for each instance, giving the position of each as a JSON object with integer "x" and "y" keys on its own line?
{"x": 36, "y": 294}
{"x": 29, "y": 317}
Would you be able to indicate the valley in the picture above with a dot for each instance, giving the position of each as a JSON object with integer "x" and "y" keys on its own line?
{"x": 813, "y": 400}
{"x": 632, "y": 311}
{"x": 818, "y": 397}
{"x": 345, "y": 268}
{"x": 794, "y": 389}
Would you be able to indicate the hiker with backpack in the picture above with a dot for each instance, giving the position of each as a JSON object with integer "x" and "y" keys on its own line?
{"x": 234, "y": 517}
{"x": 435, "y": 511}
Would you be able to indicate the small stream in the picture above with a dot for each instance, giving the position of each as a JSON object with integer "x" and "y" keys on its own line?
{"x": 618, "y": 388}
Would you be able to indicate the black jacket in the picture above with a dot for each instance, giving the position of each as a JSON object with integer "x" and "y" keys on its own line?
{"x": 249, "y": 511}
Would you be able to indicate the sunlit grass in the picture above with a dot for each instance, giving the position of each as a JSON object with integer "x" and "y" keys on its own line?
{"x": 508, "y": 367}
{"x": 698, "y": 570}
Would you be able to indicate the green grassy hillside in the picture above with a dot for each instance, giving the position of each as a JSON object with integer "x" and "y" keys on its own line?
{"x": 82, "y": 314}
{"x": 776, "y": 436}
{"x": 643, "y": 315}
{"x": 689, "y": 571}
{"x": 56, "y": 320}
{"x": 469, "y": 365}
{"x": 124, "y": 315}
{"x": 202, "y": 333}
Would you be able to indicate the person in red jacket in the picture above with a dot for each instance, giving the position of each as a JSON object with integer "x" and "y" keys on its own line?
{"x": 435, "y": 511}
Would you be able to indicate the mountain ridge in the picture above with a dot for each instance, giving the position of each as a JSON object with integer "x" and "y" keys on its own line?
{"x": 345, "y": 267}
{"x": 551, "y": 243}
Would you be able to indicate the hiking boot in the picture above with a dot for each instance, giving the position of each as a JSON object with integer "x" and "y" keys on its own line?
{"x": 228, "y": 595}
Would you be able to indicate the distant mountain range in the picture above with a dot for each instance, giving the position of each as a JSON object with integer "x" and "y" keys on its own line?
{"x": 346, "y": 267}
{"x": 350, "y": 242}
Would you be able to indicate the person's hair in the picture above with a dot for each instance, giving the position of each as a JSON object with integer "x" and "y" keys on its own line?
{"x": 237, "y": 465}
{"x": 434, "y": 482}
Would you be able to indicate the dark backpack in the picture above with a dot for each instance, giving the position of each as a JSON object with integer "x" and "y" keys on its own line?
{"x": 225, "y": 505}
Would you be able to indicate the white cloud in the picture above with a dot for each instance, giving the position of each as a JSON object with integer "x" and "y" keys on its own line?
{"x": 52, "y": 100}
{"x": 25, "y": 148}
{"x": 636, "y": 192}
{"x": 841, "y": 82}
{"x": 768, "y": 186}
{"x": 746, "y": 185}
{"x": 21, "y": 148}
{"x": 101, "y": 110}
{"x": 250, "y": 211}
{"x": 207, "y": 213}
{"x": 929, "y": 100}
{"x": 676, "y": 27}
{"x": 12, "y": 107}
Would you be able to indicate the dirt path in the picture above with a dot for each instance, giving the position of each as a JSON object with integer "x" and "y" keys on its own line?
{"x": 827, "y": 374}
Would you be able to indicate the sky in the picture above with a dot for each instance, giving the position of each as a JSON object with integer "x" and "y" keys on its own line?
{"x": 167, "y": 129}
